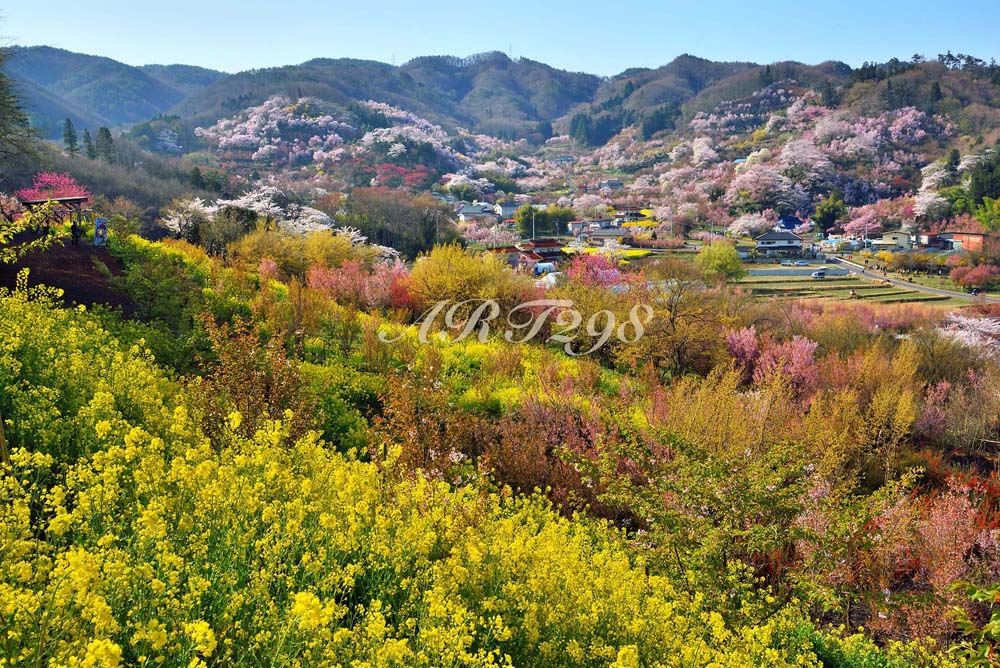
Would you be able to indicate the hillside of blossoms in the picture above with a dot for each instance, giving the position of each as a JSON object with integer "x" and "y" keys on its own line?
{"x": 292, "y": 375}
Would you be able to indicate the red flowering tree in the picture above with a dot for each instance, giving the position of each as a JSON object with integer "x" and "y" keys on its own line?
{"x": 980, "y": 276}
{"x": 50, "y": 186}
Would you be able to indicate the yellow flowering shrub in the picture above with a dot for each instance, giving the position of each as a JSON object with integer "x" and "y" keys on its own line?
{"x": 68, "y": 387}
{"x": 128, "y": 538}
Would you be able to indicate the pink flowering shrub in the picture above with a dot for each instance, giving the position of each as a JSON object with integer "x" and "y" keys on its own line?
{"x": 885, "y": 214}
{"x": 268, "y": 268}
{"x": 743, "y": 346}
{"x": 490, "y": 235}
{"x": 595, "y": 270}
{"x": 350, "y": 283}
{"x": 795, "y": 359}
{"x": 751, "y": 224}
{"x": 980, "y": 276}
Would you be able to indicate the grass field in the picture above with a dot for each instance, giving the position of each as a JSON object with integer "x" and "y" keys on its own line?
{"x": 839, "y": 288}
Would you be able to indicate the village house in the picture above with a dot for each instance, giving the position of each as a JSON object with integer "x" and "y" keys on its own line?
{"x": 505, "y": 210}
{"x": 605, "y": 234}
{"x": 547, "y": 250}
{"x": 893, "y": 241}
{"x": 973, "y": 242}
{"x": 628, "y": 214}
{"x": 776, "y": 244}
{"x": 789, "y": 222}
{"x": 477, "y": 211}
{"x": 928, "y": 240}
{"x": 443, "y": 197}
{"x": 530, "y": 253}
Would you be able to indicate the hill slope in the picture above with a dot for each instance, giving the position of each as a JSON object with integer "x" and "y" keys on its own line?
{"x": 93, "y": 90}
{"x": 488, "y": 92}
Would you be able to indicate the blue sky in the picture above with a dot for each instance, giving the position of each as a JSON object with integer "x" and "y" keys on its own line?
{"x": 603, "y": 37}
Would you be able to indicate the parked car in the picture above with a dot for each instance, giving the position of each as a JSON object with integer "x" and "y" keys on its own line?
{"x": 801, "y": 263}
{"x": 819, "y": 274}
{"x": 787, "y": 263}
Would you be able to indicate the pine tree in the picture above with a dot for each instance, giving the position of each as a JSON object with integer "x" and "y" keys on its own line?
{"x": 16, "y": 137}
{"x": 69, "y": 138}
{"x": 829, "y": 95}
{"x": 105, "y": 145}
{"x": 936, "y": 93}
{"x": 197, "y": 180}
{"x": 88, "y": 145}
{"x": 766, "y": 77}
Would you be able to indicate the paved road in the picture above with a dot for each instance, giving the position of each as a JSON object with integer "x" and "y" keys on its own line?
{"x": 860, "y": 270}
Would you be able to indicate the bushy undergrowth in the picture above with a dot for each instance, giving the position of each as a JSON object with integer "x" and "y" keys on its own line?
{"x": 288, "y": 488}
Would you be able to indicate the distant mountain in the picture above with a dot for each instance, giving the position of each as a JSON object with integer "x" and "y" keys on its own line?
{"x": 92, "y": 90}
{"x": 489, "y": 92}
{"x": 187, "y": 79}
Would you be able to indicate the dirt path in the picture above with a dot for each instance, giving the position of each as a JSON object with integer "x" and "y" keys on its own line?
{"x": 72, "y": 269}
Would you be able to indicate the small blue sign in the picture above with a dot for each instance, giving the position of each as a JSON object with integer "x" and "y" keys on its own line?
{"x": 100, "y": 231}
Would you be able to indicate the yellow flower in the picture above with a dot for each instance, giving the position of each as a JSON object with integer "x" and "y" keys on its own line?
{"x": 102, "y": 654}
{"x": 202, "y": 636}
{"x": 156, "y": 634}
{"x": 307, "y": 607}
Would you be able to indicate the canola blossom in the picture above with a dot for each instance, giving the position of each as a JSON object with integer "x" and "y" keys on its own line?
{"x": 129, "y": 537}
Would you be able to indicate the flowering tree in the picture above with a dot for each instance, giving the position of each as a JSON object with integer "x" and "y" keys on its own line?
{"x": 50, "y": 185}
{"x": 702, "y": 152}
{"x": 590, "y": 206}
{"x": 794, "y": 359}
{"x": 764, "y": 187}
{"x": 980, "y": 276}
{"x": 884, "y": 214}
{"x": 750, "y": 224}
{"x": 980, "y": 333}
{"x": 805, "y": 164}
{"x": 489, "y": 235}
{"x": 595, "y": 270}
{"x": 743, "y": 346}
{"x": 10, "y": 208}
{"x": 931, "y": 206}
{"x": 185, "y": 216}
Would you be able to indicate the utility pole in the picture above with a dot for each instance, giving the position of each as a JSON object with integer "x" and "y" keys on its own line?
{"x": 532, "y": 221}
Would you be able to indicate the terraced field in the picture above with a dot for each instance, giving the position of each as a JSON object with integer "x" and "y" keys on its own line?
{"x": 838, "y": 288}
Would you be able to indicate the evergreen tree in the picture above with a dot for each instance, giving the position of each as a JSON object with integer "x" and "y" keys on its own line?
{"x": 197, "y": 180}
{"x": 830, "y": 210}
{"x": 936, "y": 93}
{"x": 766, "y": 78}
{"x": 579, "y": 128}
{"x": 890, "y": 95}
{"x": 105, "y": 145}
{"x": 88, "y": 145}
{"x": 15, "y": 133}
{"x": 69, "y": 138}
{"x": 954, "y": 158}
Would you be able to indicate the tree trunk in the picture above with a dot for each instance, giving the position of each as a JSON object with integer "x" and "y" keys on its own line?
{"x": 4, "y": 455}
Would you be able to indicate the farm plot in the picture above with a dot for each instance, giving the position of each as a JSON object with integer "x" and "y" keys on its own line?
{"x": 835, "y": 288}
